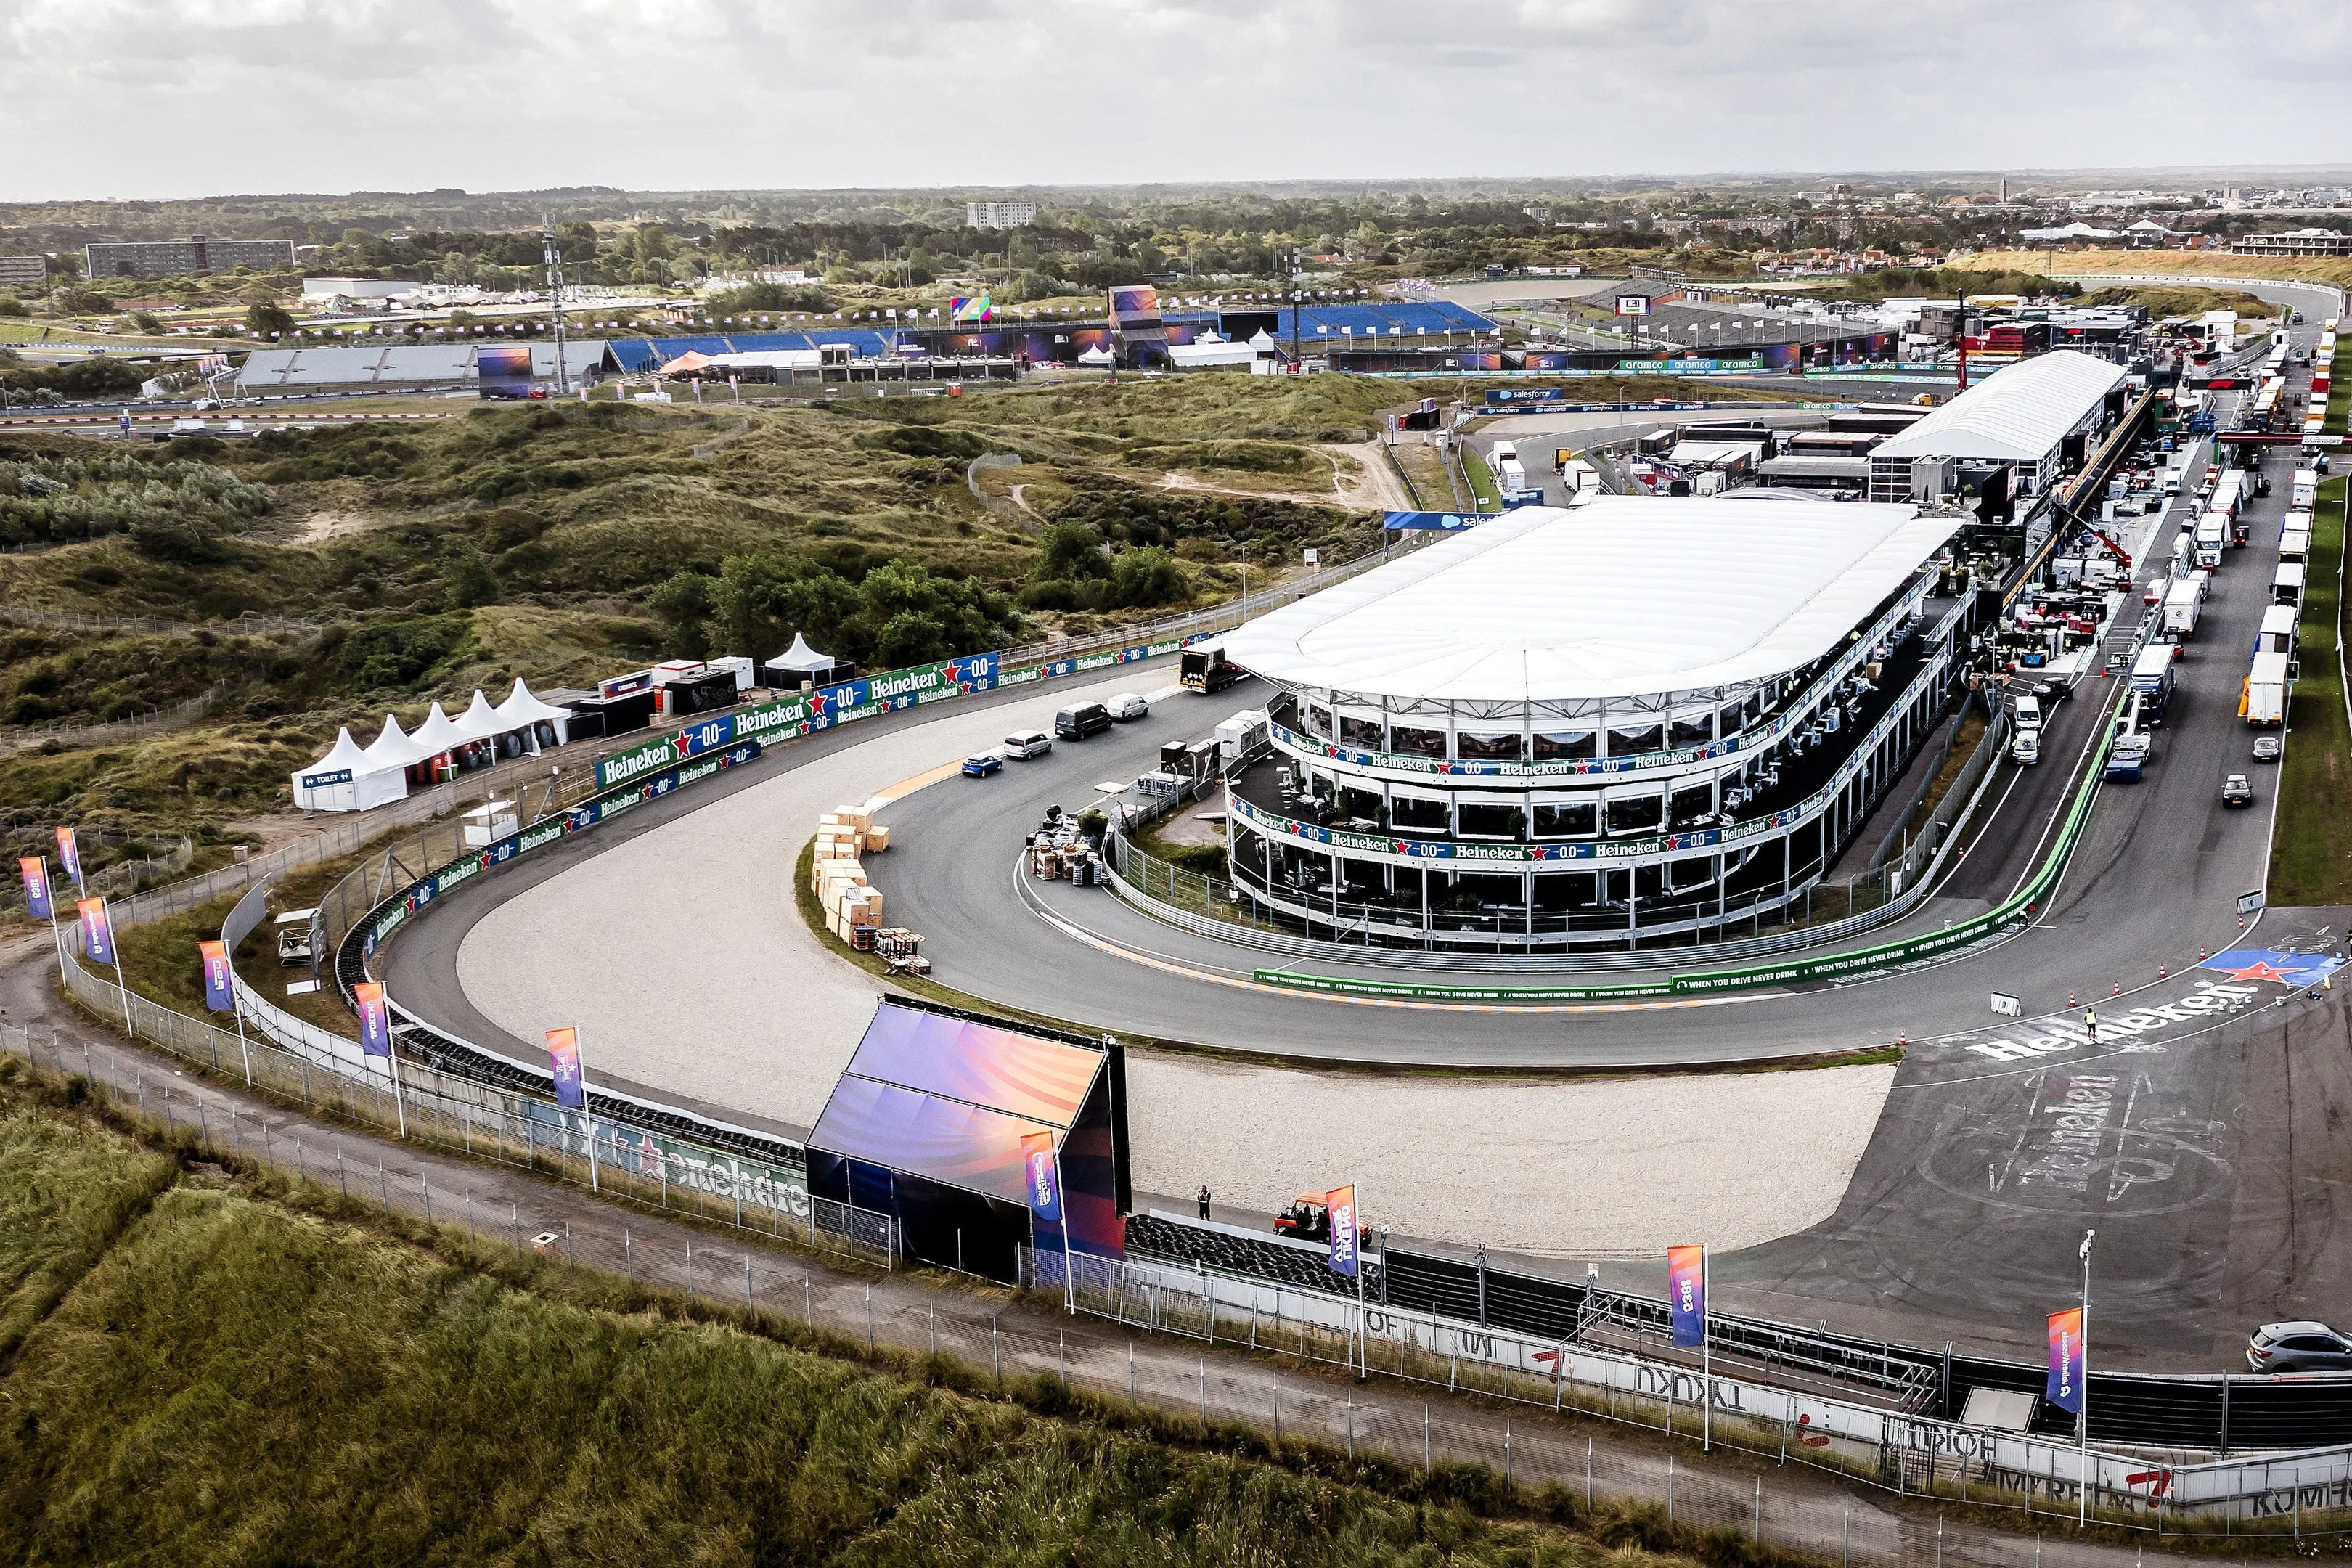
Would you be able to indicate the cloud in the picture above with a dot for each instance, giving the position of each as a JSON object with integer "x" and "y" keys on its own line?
{"x": 125, "y": 97}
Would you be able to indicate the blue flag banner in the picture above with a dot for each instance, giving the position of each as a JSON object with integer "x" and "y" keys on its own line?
{"x": 96, "y": 930}
{"x": 2064, "y": 1388}
{"x": 1442, "y": 520}
{"x": 563, "y": 1051}
{"x": 1687, "y": 1292}
{"x": 1339, "y": 1203}
{"x": 34, "y": 870}
{"x": 220, "y": 994}
{"x": 375, "y": 1018}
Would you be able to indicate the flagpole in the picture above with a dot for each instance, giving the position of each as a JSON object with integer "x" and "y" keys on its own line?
{"x": 587, "y": 1116}
{"x": 115, "y": 942}
{"x": 2082, "y": 1498}
{"x": 1356, "y": 1247}
{"x": 1061, "y": 1204}
{"x": 237, "y": 1011}
{"x": 1705, "y": 1360}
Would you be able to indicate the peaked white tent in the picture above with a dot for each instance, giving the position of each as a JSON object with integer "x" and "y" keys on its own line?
{"x": 439, "y": 733}
{"x": 345, "y": 779}
{"x": 522, "y": 711}
{"x": 394, "y": 748}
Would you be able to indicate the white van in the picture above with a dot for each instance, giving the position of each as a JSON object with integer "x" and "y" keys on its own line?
{"x": 2026, "y": 749}
{"x": 2027, "y": 711}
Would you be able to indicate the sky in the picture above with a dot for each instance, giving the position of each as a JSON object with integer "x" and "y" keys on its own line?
{"x": 133, "y": 99}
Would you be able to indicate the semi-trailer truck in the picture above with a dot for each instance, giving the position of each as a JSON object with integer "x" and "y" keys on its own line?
{"x": 1205, "y": 668}
{"x": 2181, "y": 602}
{"x": 2263, "y": 703}
{"x": 2151, "y": 680}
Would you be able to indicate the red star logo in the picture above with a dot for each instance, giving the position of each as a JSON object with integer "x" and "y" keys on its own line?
{"x": 816, "y": 701}
{"x": 2259, "y": 970}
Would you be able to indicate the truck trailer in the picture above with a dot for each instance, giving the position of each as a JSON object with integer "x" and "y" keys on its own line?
{"x": 2181, "y": 602}
{"x": 2263, "y": 702}
{"x": 2151, "y": 680}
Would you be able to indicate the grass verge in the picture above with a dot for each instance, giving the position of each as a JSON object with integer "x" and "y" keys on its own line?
{"x": 2311, "y": 850}
{"x": 259, "y": 1362}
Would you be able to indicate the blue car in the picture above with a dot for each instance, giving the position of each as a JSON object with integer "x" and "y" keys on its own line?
{"x": 980, "y": 764}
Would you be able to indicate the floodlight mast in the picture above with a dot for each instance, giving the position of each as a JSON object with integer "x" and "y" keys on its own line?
{"x": 555, "y": 294}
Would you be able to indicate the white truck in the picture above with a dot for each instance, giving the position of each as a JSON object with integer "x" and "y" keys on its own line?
{"x": 2181, "y": 602}
{"x": 2287, "y": 583}
{"x": 2212, "y": 538}
{"x": 2264, "y": 703}
{"x": 2295, "y": 545}
{"x": 2306, "y": 491}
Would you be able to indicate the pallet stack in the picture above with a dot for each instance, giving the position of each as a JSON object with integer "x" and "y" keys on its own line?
{"x": 852, "y": 909}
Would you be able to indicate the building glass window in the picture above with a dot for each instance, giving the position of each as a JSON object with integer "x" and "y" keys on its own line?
{"x": 1566, "y": 745}
{"x": 1417, "y": 742}
{"x": 1487, "y": 747}
{"x": 1360, "y": 734}
{"x": 1314, "y": 721}
{"x": 1637, "y": 813}
{"x": 1566, "y": 818}
{"x": 1634, "y": 741}
{"x": 1727, "y": 722}
{"x": 1689, "y": 733}
{"x": 1481, "y": 819}
{"x": 1693, "y": 806}
{"x": 1418, "y": 812}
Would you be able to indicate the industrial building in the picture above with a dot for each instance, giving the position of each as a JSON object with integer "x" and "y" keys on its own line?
{"x": 184, "y": 257}
{"x": 2037, "y": 419}
{"x": 1627, "y": 719}
{"x": 22, "y": 275}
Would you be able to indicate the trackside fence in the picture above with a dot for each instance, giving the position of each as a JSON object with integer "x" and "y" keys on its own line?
{"x": 655, "y": 1169}
{"x": 2305, "y": 1494}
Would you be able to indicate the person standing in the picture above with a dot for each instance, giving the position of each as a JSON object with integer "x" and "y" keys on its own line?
{"x": 2091, "y": 1024}
{"x": 1205, "y": 1200}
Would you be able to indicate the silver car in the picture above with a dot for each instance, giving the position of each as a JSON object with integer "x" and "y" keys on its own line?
{"x": 2301, "y": 1346}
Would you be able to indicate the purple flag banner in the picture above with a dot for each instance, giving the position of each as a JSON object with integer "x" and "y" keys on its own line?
{"x": 375, "y": 1018}
{"x": 34, "y": 870}
{"x": 96, "y": 930}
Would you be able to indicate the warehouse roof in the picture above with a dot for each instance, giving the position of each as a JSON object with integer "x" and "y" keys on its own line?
{"x": 1620, "y": 597}
{"x": 2018, "y": 415}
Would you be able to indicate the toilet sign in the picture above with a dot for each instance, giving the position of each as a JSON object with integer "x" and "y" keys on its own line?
{"x": 2005, "y": 1004}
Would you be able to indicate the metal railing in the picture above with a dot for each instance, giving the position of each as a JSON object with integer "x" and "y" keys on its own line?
{"x": 82, "y": 732}
{"x": 653, "y": 1169}
{"x": 121, "y": 876}
{"x": 76, "y": 620}
{"x": 1724, "y": 1403}
{"x": 1272, "y": 917}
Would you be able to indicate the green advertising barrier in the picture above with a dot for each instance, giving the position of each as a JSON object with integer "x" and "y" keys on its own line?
{"x": 1886, "y": 956}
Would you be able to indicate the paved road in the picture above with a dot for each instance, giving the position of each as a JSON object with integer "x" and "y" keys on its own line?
{"x": 1802, "y": 1510}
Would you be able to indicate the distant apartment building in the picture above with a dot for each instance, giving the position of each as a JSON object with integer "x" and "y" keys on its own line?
{"x": 2293, "y": 242}
{"x": 999, "y": 214}
{"x": 185, "y": 258}
{"x": 24, "y": 274}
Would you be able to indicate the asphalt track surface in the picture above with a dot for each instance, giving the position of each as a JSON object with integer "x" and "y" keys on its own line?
{"x": 2223, "y": 1105}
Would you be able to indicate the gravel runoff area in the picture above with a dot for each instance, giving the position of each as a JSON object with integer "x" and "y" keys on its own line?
{"x": 760, "y": 1015}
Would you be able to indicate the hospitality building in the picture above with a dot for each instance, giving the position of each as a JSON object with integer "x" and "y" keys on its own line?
{"x": 1634, "y": 719}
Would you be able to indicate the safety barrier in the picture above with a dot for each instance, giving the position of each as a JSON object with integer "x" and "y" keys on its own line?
{"x": 1728, "y": 1400}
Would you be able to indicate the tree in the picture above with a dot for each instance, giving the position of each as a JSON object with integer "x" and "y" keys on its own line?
{"x": 269, "y": 320}
{"x": 762, "y": 599}
{"x": 683, "y": 605}
{"x": 145, "y": 321}
{"x": 1147, "y": 576}
{"x": 11, "y": 306}
{"x": 465, "y": 576}
{"x": 1070, "y": 551}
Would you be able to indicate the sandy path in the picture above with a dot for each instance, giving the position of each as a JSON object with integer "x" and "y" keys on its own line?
{"x": 763, "y": 1018}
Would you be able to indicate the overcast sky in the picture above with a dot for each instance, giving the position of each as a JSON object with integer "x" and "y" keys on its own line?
{"x": 129, "y": 98}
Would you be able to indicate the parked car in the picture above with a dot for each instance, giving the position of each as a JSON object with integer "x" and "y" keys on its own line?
{"x": 2236, "y": 791}
{"x": 1024, "y": 744}
{"x": 2266, "y": 748}
{"x": 2303, "y": 1346}
{"x": 1127, "y": 706}
{"x": 980, "y": 764}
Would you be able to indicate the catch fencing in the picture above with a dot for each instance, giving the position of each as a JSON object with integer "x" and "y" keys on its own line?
{"x": 111, "y": 881}
{"x": 1720, "y": 1400}
{"x": 653, "y": 1168}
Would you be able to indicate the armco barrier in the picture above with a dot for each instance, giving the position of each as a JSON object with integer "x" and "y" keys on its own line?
{"x": 2016, "y": 910}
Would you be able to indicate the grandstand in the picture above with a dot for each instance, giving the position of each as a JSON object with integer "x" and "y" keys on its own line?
{"x": 406, "y": 367}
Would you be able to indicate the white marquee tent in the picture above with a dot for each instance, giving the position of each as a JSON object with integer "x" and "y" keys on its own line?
{"x": 352, "y": 778}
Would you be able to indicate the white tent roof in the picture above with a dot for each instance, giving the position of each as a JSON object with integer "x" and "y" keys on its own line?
{"x": 1620, "y": 596}
{"x": 522, "y": 708}
{"x": 2018, "y": 415}
{"x": 480, "y": 721}
{"x": 800, "y": 656}
{"x": 394, "y": 748}
{"x": 344, "y": 754}
{"x": 437, "y": 734}
{"x": 1095, "y": 356}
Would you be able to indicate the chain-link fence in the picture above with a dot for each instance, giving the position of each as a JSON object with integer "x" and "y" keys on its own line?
{"x": 1720, "y": 1404}
{"x": 648, "y": 1167}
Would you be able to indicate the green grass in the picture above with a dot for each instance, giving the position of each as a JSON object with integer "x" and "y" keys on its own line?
{"x": 2311, "y": 854}
{"x": 1484, "y": 493}
{"x": 252, "y": 1371}
{"x": 67, "y": 1189}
